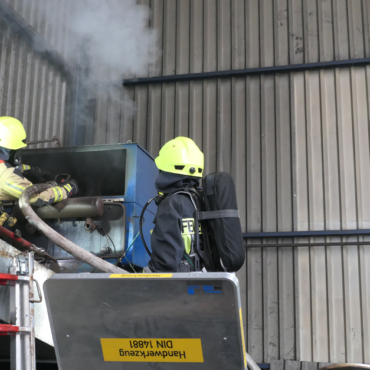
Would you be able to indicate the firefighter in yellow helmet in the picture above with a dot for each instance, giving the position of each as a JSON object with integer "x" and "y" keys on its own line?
{"x": 181, "y": 165}
{"x": 12, "y": 180}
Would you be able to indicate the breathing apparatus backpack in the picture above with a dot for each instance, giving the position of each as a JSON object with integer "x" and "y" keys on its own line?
{"x": 217, "y": 213}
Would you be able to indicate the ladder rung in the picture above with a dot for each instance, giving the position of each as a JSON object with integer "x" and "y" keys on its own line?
{"x": 6, "y": 329}
{"x": 8, "y": 277}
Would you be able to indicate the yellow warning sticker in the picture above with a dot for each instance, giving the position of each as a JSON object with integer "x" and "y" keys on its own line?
{"x": 152, "y": 350}
{"x": 241, "y": 326}
{"x": 140, "y": 275}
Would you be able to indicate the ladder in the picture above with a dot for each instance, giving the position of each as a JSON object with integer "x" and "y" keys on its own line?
{"x": 22, "y": 328}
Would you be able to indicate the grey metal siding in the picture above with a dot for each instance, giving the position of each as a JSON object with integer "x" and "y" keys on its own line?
{"x": 297, "y": 145}
{"x": 31, "y": 88}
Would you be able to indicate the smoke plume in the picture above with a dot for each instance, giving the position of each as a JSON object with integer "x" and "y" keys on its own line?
{"x": 106, "y": 41}
{"x": 113, "y": 34}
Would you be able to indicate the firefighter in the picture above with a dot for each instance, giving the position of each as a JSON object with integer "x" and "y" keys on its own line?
{"x": 181, "y": 165}
{"x": 12, "y": 180}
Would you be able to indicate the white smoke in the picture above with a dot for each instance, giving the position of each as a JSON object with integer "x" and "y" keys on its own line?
{"x": 111, "y": 38}
{"x": 114, "y": 35}
{"x": 106, "y": 40}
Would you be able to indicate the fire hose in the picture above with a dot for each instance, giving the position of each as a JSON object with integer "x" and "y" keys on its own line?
{"x": 56, "y": 238}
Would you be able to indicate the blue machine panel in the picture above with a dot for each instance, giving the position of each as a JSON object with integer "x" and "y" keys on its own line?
{"x": 140, "y": 178}
{"x": 101, "y": 169}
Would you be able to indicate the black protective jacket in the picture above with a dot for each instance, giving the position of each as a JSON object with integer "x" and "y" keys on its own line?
{"x": 173, "y": 234}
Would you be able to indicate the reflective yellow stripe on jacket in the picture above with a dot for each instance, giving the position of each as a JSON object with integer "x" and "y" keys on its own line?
{"x": 12, "y": 184}
{"x": 13, "y": 189}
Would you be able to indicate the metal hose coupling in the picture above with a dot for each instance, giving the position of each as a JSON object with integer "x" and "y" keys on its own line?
{"x": 89, "y": 225}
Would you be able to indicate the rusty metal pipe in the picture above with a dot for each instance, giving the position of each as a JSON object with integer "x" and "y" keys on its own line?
{"x": 54, "y": 139}
{"x": 14, "y": 240}
{"x": 58, "y": 239}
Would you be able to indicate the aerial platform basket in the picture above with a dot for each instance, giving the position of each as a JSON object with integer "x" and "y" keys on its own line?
{"x": 145, "y": 321}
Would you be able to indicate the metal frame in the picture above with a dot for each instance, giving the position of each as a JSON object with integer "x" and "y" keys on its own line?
{"x": 22, "y": 328}
{"x": 307, "y": 234}
{"x": 247, "y": 72}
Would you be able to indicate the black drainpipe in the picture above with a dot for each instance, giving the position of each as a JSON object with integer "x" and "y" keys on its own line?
{"x": 306, "y": 234}
{"x": 247, "y": 72}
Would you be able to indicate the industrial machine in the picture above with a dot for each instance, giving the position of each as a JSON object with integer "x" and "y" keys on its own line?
{"x": 115, "y": 181}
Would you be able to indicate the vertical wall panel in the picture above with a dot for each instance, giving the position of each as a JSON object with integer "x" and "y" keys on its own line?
{"x": 182, "y": 66}
{"x": 296, "y": 45}
{"x": 349, "y": 219}
{"x": 114, "y": 115}
{"x": 238, "y": 118}
{"x": 286, "y": 302}
{"x": 5, "y": 38}
{"x": 238, "y": 109}
{"x": 30, "y": 88}
{"x": 356, "y": 29}
{"x": 365, "y": 299}
{"x": 336, "y": 332}
{"x": 268, "y": 152}
{"x": 341, "y": 40}
{"x": 101, "y": 116}
{"x": 196, "y": 65}
{"x": 316, "y": 211}
{"x": 254, "y": 215}
{"x": 141, "y": 97}
{"x": 301, "y": 216}
{"x": 155, "y": 91}
{"x": 140, "y": 119}
{"x": 169, "y": 68}
{"x": 223, "y": 86}
{"x": 325, "y": 25}
{"x": 254, "y": 332}
{"x": 127, "y": 119}
{"x": 366, "y": 20}
{"x": 210, "y": 86}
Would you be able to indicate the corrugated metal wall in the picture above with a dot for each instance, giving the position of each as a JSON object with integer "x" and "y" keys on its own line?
{"x": 296, "y": 144}
{"x": 31, "y": 88}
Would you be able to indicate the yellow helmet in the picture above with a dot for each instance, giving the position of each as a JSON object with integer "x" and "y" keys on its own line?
{"x": 12, "y": 133}
{"x": 181, "y": 155}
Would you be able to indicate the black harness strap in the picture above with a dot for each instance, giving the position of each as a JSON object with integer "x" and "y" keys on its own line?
{"x": 209, "y": 215}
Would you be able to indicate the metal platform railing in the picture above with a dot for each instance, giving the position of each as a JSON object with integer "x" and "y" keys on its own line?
{"x": 21, "y": 328}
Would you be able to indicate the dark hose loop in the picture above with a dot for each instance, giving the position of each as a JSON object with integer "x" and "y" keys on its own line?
{"x": 141, "y": 226}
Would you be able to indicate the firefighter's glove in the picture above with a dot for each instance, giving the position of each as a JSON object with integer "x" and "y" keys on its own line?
{"x": 71, "y": 188}
{"x": 34, "y": 173}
